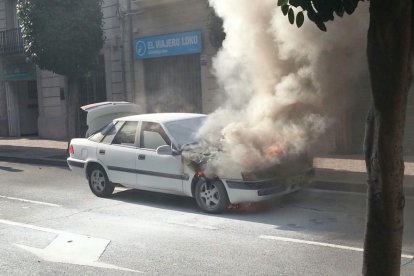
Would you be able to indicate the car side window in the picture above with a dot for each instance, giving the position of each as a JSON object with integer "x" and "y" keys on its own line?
{"x": 153, "y": 136}
{"x": 111, "y": 133}
{"x": 97, "y": 137}
{"x": 126, "y": 135}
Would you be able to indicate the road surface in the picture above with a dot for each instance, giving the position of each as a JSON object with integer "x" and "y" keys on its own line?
{"x": 51, "y": 224}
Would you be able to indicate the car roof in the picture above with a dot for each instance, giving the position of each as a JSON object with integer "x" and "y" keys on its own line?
{"x": 161, "y": 117}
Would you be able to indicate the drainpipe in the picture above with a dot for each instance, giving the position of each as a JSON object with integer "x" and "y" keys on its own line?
{"x": 132, "y": 60}
{"x": 127, "y": 37}
{"x": 122, "y": 49}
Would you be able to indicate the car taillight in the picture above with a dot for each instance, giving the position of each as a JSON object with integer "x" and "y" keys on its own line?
{"x": 71, "y": 150}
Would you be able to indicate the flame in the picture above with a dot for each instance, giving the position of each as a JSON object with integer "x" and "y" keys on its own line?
{"x": 274, "y": 150}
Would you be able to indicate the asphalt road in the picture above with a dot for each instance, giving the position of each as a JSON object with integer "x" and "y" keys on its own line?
{"x": 51, "y": 224}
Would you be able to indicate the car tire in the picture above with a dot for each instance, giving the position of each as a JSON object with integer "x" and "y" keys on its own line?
{"x": 211, "y": 195}
{"x": 99, "y": 182}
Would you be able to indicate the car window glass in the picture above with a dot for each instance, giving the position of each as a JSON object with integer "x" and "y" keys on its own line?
{"x": 185, "y": 131}
{"x": 153, "y": 136}
{"x": 111, "y": 133}
{"x": 97, "y": 137}
{"x": 126, "y": 135}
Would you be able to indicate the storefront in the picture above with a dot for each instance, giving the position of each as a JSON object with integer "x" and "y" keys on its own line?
{"x": 172, "y": 71}
{"x": 21, "y": 98}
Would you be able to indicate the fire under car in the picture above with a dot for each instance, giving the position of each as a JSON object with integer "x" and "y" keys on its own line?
{"x": 148, "y": 152}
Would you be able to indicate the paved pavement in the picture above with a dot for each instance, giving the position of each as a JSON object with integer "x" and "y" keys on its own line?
{"x": 333, "y": 172}
{"x": 33, "y": 150}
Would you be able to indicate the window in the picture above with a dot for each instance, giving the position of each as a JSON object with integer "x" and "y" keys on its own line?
{"x": 97, "y": 137}
{"x": 111, "y": 133}
{"x": 126, "y": 136}
{"x": 153, "y": 136}
{"x": 185, "y": 131}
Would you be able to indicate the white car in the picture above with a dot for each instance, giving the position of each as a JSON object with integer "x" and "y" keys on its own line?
{"x": 145, "y": 152}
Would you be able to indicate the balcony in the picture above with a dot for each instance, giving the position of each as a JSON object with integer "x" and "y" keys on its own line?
{"x": 11, "y": 42}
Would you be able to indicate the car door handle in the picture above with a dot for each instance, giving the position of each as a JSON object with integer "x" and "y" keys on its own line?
{"x": 141, "y": 157}
{"x": 101, "y": 151}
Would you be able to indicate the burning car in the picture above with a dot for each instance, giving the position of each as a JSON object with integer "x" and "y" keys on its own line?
{"x": 160, "y": 153}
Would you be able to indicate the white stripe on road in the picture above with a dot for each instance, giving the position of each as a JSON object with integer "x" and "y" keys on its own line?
{"x": 30, "y": 201}
{"x": 331, "y": 245}
{"x": 69, "y": 248}
{"x": 34, "y": 227}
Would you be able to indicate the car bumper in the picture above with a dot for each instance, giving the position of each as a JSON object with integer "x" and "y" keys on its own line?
{"x": 76, "y": 165}
{"x": 240, "y": 191}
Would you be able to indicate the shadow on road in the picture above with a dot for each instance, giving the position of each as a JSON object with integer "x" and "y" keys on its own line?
{"x": 9, "y": 169}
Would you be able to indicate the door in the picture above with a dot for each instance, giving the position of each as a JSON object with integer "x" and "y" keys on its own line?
{"x": 154, "y": 171}
{"x": 118, "y": 152}
{"x": 12, "y": 110}
{"x": 28, "y": 106}
{"x": 173, "y": 84}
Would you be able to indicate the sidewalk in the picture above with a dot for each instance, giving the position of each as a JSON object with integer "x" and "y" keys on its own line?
{"x": 33, "y": 151}
{"x": 332, "y": 172}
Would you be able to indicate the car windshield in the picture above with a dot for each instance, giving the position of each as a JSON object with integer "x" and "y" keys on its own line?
{"x": 184, "y": 131}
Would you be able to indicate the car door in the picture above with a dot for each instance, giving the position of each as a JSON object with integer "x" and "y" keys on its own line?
{"x": 118, "y": 152}
{"x": 155, "y": 171}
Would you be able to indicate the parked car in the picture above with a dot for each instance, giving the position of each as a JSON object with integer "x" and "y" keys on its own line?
{"x": 146, "y": 152}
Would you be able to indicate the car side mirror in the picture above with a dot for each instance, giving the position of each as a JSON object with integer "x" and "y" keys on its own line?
{"x": 165, "y": 150}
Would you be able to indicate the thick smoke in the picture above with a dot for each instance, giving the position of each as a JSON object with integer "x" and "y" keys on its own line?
{"x": 284, "y": 85}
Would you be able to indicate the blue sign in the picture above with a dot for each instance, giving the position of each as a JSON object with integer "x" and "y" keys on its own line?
{"x": 168, "y": 45}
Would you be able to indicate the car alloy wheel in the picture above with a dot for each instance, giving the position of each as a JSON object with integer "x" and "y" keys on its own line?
{"x": 99, "y": 183}
{"x": 211, "y": 195}
{"x": 98, "y": 180}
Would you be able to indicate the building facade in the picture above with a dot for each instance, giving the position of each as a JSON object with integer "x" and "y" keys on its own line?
{"x": 156, "y": 53}
{"x": 33, "y": 101}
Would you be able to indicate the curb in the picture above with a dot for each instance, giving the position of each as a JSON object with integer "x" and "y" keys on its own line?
{"x": 331, "y": 185}
{"x": 337, "y": 186}
{"x": 35, "y": 161}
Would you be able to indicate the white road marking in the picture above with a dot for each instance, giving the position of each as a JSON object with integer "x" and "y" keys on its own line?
{"x": 30, "y": 226}
{"x": 69, "y": 248}
{"x": 331, "y": 245}
{"x": 30, "y": 201}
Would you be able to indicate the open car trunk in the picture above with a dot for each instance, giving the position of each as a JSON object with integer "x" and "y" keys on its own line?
{"x": 101, "y": 114}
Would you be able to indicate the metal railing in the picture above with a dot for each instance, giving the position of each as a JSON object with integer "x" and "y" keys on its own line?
{"x": 11, "y": 41}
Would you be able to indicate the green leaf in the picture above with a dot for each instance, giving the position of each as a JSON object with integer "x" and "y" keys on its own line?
{"x": 282, "y": 2}
{"x": 299, "y": 19}
{"x": 312, "y": 16}
{"x": 321, "y": 25}
{"x": 339, "y": 13}
{"x": 285, "y": 9}
{"x": 349, "y": 6}
{"x": 295, "y": 3}
{"x": 291, "y": 16}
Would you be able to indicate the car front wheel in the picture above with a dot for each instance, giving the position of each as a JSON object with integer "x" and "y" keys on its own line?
{"x": 99, "y": 182}
{"x": 211, "y": 195}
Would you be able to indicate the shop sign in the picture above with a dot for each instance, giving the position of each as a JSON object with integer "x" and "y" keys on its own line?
{"x": 168, "y": 45}
{"x": 20, "y": 71}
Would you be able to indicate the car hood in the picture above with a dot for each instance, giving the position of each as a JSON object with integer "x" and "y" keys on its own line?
{"x": 101, "y": 114}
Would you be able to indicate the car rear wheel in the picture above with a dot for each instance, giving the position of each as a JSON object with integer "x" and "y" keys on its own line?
{"x": 211, "y": 195}
{"x": 99, "y": 182}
